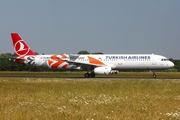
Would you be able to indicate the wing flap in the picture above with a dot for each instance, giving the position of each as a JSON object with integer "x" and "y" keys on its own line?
{"x": 84, "y": 64}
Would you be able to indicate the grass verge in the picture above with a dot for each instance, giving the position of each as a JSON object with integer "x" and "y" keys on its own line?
{"x": 89, "y": 99}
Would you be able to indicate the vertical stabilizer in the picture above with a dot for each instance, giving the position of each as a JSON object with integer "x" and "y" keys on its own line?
{"x": 20, "y": 46}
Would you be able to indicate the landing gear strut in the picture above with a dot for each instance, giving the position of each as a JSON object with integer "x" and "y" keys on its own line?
{"x": 154, "y": 74}
{"x": 88, "y": 75}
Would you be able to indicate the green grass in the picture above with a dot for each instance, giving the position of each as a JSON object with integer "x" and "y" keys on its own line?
{"x": 89, "y": 99}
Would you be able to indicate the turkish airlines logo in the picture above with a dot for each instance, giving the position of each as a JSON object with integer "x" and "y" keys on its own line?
{"x": 21, "y": 48}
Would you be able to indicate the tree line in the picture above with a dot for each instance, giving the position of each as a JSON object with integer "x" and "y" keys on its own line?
{"x": 7, "y": 65}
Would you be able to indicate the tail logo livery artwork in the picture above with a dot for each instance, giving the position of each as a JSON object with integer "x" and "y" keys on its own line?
{"x": 21, "y": 48}
{"x": 93, "y": 64}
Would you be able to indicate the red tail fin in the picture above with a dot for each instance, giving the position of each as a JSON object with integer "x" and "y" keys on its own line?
{"x": 20, "y": 46}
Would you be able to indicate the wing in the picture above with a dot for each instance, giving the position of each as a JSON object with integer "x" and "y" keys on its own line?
{"x": 86, "y": 63}
{"x": 82, "y": 63}
{"x": 85, "y": 66}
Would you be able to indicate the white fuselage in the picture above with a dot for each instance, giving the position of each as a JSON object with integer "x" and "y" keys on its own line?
{"x": 115, "y": 61}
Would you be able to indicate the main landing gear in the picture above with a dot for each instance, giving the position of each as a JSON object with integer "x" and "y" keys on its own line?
{"x": 88, "y": 75}
{"x": 92, "y": 75}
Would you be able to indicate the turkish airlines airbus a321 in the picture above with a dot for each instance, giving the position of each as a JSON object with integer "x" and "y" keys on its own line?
{"x": 92, "y": 63}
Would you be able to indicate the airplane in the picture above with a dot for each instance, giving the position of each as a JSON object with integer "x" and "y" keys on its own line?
{"x": 93, "y": 64}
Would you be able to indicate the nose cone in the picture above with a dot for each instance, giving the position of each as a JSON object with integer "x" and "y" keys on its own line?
{"x": 171, "y": 64}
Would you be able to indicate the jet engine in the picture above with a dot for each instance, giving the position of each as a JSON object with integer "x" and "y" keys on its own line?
{"x": 102, "y": 70}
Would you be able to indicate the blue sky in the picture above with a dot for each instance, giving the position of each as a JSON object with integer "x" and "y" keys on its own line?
{"x": 108, "y": 26}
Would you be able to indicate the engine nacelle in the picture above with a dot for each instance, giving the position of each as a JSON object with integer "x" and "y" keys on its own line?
{"x": 102, "y": 70}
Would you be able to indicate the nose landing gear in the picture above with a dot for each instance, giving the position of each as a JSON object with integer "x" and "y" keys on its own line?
{"x": 154, "y": 74}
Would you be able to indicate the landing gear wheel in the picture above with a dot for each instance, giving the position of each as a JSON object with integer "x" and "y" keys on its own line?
{"x": 92, "y": 75}
{"x": 86, "y": 75}
{"x": 154, "y": 74}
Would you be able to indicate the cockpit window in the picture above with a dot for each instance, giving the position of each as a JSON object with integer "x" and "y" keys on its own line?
{"x": 164, "y": 59}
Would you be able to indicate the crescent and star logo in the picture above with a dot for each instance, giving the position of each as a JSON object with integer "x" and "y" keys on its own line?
{"x": 21, "y": 48}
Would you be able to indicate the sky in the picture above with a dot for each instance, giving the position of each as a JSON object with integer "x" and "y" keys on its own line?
{"x": 107, "y": 26}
